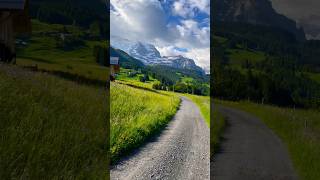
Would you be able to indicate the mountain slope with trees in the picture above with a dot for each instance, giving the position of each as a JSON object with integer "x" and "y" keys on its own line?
{"x": 281, "y": 76}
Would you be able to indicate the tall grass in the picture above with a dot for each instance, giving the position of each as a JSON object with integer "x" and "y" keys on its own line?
{"x": 51, "y": 128}
{"x": 136, "y": 115}
{"x": 299, "y": 130}
{"x": 216, "y": 129}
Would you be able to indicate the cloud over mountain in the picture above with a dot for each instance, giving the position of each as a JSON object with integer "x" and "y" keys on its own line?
{"x": 175, "y": 27}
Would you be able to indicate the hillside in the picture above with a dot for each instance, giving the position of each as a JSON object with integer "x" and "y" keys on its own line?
{"x": 169, "y": 78}
{"x": 256, "y": 12}
{"x": 61, "y": 48}
{"x": 77, "y": 12}
{"x": 125, "y": 60}
{"x": 265, "y": 65}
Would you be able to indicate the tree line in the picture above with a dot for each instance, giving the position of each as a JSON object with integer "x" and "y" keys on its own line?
{"x": 281, "y": 78}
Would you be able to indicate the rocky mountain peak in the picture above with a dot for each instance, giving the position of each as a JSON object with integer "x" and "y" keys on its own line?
{"x": 149, "y": 55}
{"x": 257, "y": 12}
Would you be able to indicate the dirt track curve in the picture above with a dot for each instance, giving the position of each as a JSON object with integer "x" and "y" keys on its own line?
{"x": 250, "y": 151}
{"x": 181, "y": 151}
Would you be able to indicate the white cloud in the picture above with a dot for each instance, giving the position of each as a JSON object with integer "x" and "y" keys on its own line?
{"x": 146, "y": 21}
{"x": 200, "y": 55}
{"x": 192, "y": 35}
{"x": 138, "y": 19}
{"x": 187, "y": 8}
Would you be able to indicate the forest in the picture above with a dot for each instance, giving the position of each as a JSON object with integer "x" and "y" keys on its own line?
{"x": 172, "y": 79}
{"x": 265, "y": 65}
{"x": 86, "y": 14}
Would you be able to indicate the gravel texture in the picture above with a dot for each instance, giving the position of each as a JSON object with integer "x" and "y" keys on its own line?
{"x": 181, "y": 151}
{"x": 250, "y": 151}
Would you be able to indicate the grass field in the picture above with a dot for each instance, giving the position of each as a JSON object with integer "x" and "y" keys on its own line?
{"x": 299, "y": 130}
{"x": 136, "y": 115}
{"x": 216, "y": 129}
{"x": 51, "y": 128}
{"x": 315, "y": 77}
{"x": 41, "y": 51}
{"x": 238, "y": 57}
{"x": 134, "y": 81}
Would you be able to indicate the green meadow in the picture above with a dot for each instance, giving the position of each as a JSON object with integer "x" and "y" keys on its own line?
{"x": 299, "y": 129}
{"x": 51, "y": 128}
{"x": 123, "y": 78}
{"x": 136, "y": 115}
{"x": 41, "y": 50}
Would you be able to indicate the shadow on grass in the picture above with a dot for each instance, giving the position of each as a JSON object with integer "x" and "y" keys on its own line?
{"x": 69, "y": 76}
{"x": 142, "y": 88}
{"x": 36, "y": 59}
{"x": 223, "y": 126}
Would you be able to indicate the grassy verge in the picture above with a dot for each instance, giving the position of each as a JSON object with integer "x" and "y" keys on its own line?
{"x": 299, "y": 130}
{"x": 203, "y": 102}
{"x": 216, "y": 130}
{"x": 218, "y": 125}
{"x": 51, "y": 128}
{"x": 137, "y": 115}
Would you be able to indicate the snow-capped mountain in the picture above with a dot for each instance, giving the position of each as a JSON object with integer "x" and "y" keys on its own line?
{"x": 149, "y": 55}
{"x": 182, "y": 63}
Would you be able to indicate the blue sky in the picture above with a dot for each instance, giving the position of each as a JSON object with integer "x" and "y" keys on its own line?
{"x": 175, "y": 27}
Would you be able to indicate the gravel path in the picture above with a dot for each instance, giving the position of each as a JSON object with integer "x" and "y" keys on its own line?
{"x": 180, "y": 152}
{"x": 250, "y": 151}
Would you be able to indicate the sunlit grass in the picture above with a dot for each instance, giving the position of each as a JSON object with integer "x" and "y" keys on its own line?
{"x": 136, "y": 115}
{"x": 41, "y": 51}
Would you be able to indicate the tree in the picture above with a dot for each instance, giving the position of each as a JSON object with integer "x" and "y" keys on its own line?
{"x": 95, "y": 29}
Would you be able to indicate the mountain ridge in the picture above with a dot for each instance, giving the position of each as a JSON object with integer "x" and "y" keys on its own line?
{"x": 149, "y": 55}
{"x": 256, "y": 12}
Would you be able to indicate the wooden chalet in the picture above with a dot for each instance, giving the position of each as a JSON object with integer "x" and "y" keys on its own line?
{"x": 114, "y": 67}
{"x": 14, "y": 19}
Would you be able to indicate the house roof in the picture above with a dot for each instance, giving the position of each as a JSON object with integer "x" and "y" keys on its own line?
{"x": 114, "y": 60}
{"x": 12, "y": 4}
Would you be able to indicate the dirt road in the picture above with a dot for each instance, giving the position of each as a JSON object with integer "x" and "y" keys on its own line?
{"x": 250, "y": 151}
{"x": 181, "y": 151}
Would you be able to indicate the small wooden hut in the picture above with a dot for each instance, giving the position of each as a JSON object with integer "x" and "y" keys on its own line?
{"x": 114, "y": 67}
{"x": 14, "y": 19}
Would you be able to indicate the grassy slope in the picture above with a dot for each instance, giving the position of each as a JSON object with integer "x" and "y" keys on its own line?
{"x": 216, "y": 130}
{"x": 299, "y": 129}
{"x": 51, "y": 128}
{"x": 136, "y": 115}
{"x": 239, "y": 56}
{"x": 41, "y": 50}
{"x": 134, "y": 81}
{"x": 315, "y": 76}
